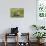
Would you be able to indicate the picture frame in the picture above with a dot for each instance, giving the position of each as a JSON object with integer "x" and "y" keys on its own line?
{"x": 17, "y": 12}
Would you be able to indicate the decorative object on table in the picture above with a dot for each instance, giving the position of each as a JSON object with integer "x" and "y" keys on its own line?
{"x": 17, "y": 12}
{"x": 14, "y": 30}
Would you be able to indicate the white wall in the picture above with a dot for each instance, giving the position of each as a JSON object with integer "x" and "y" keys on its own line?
{"x": 24, "y": 24}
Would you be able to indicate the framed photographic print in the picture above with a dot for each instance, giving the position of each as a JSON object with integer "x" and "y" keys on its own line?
{"x": 17, "y": 12}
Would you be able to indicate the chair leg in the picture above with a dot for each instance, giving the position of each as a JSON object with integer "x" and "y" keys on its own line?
{"x": 5, "y": 43}
{"x": 5, "y": 40}
{"x": 17, "y": 39}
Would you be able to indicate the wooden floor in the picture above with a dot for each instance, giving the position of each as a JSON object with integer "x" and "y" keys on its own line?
{"x": 13, "y": 44}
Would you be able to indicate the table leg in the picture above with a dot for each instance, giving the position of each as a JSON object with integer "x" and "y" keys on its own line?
{"x": 5, "y": 40}
{"x": 17, "y": 39}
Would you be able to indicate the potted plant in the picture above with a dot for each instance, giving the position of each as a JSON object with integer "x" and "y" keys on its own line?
{"x": 39, "y": 35}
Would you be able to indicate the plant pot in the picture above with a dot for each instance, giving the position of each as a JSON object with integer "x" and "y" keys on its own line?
{"x": 38, "y": 40}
